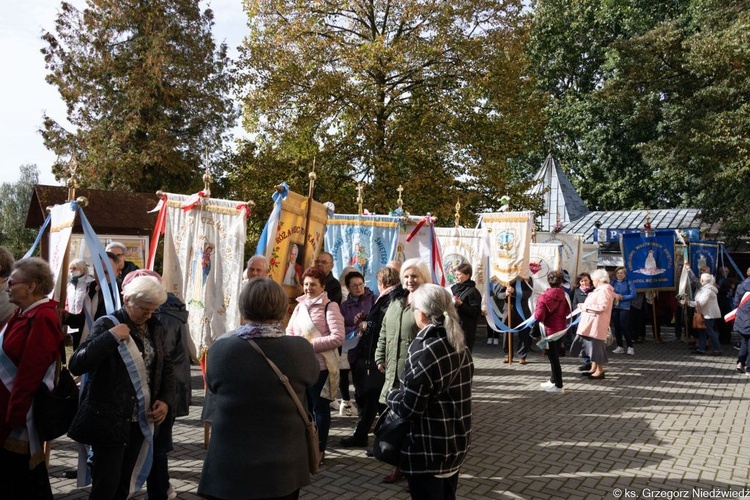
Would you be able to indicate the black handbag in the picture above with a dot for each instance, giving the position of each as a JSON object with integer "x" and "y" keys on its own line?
{"x": 390, "y": 432}
{"x": 55, "y": 409}
{"x": 369, "y": 378}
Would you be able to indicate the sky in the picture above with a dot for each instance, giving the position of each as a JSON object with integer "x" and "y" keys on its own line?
{"x": 25, "y": 96}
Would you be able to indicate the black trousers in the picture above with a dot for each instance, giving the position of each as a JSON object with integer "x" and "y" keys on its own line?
{"x": 17, "y": 482}
{"x": 158, "y": 479}
{"x": 112, "y": 467}
{"x": 429, "y": 487}
{"x": 554, "y": 361}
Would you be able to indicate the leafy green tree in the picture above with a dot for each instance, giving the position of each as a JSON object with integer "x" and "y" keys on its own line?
{"x": 15, "y": 198}
{"x": 146, "y": 89}
{"x": 436, "y": 96}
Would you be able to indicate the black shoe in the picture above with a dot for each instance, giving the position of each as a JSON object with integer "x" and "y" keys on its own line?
{"x": 592, "y": 377}
{"x": 585, "y": 374}
{"x": 352, "y": 442}
{"x": 584, "y": 368}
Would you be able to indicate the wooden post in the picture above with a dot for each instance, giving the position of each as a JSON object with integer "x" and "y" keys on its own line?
{"x": 655, "y": 325}
{"x": 509, "y": 334}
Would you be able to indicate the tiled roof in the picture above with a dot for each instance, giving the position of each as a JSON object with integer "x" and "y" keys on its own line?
{"x": 109, "y": 212}
{"x": 561, "y": 200}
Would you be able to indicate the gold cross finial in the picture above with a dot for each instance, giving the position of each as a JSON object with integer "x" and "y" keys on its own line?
{"x": 360, "y": 200}
{"x": 72, "y": 182}
{"x": 400, "y": 200}
{"x": 458, "y": 214}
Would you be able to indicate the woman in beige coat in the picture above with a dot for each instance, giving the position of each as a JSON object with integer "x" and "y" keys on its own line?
{"x": 596, "y": 312}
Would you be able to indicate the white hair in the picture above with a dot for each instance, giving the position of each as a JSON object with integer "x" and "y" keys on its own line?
{"x": 257, "y": 257}
{"x": 116, "y": 244}
{"x": 436, "y": 303}
{"x": 707, "y": 279}
{"x": 145, "y": 289}
{"x": 600, "y": 276}
{"x": 420, "y": 266}
{"x": 81, "y": 265}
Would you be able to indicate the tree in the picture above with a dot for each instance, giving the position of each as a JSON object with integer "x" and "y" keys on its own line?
{"x": 146, "y": 89}
{"x": 691, "y": 75}
{"x": 14, "y": 206}
{"x": 574, "y": 49}
{"x": 433, "y": 95}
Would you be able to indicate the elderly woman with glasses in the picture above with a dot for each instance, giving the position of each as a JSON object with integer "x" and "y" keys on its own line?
{"x": 30, "y": 346}
{"x": 129, "y": 390}
{"x": 6, "y": 266}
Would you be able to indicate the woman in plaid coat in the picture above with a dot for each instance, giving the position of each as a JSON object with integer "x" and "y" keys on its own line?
{"x": 434, "y": 396}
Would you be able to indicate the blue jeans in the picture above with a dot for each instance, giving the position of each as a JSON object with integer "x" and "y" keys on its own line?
{"x": 744, "y": 355}
{"x": 621, "y": 326}
{"x": 710, "y": 330}
{"x": 320, "y": 408}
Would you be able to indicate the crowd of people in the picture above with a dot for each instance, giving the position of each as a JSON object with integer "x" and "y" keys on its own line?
{"x": 406, "y": 348}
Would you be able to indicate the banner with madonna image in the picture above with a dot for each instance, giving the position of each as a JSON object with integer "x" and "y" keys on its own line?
{"x": 464, "y": 246}
{"x": 204, "y": 243}
{"x": 364, "y": 242}
{"x": 572, "y": 249}
{"x": 649, "y": 260}
{"x": 702, "y": 254}
{"x": 509, "y": 234}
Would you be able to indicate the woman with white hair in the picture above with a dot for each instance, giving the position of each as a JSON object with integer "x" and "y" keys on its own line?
{"x": 707, "y": 304}
{"x": 75, "y": 296}
{"x": 596, "y": 313}
{"x": 129, "y": 389}
{"x": 398, "y": 330}
{"x": 434, "y": 396}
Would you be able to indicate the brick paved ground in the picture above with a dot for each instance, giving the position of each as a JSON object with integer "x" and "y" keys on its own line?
{"x": 662, "y": 420}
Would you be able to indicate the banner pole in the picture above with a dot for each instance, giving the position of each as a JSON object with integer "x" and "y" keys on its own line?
{"x": 655, "y": 326}
{"x": 509, "y": 334}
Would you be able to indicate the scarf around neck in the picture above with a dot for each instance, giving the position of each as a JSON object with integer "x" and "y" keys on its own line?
{"x": 262, "y": 330}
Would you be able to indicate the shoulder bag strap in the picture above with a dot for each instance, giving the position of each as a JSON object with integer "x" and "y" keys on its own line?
{"x": 284, "y": 380}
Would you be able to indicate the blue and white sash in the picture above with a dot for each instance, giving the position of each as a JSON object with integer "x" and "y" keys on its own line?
{"x": 8, "y": 371}
{"x": 136, "y": 368}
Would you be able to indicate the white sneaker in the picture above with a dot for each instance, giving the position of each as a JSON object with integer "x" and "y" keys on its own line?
{"x": 618, "y": 350}
{"x": 345, "y": 410}
{"x": 546, "y": 385}
{"x": 631, "y": 351}
{"x": 335, "y": 406}
{"x": 495, "y": 341}
{"x": 555, "y": 389}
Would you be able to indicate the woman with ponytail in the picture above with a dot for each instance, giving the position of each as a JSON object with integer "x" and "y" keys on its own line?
{"x": 434, "y": 397}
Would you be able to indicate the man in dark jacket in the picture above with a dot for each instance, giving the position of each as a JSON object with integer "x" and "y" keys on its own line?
{"x": 324, "y": 261}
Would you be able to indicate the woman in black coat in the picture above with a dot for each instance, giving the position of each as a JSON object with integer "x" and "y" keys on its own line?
{"x": 468, "y": 302}
{"x": 129, "y": 390}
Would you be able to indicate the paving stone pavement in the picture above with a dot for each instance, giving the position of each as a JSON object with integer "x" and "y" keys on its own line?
{"x": 664, "y": 423}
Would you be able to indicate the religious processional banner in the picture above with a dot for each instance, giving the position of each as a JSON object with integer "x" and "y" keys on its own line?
{"x": 572, "y": 246}
{"x": 204, "y": 243}
{"x": 295, "y": 241}
{"x": 464, "y": 246}
{"x": 365, "y": 242}
{"x": 61, "y": 227}
{"x": 589, "y": 259}
{"x": 417, "y": 240}
{"x": 704, "y": 253}
{"x": 509, "y": 234}
{"x": 543, "y": 258}
{"x": 649, "y": 260}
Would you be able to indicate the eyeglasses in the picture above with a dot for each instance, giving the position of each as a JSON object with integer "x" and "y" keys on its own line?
{"x": 14, "y": 282}
{"x": 147, "y": 312}
{"x": 356, "y": 285}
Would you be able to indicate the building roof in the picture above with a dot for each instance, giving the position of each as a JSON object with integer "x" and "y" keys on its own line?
{"x": 561, "y": 200}
{"x": 109, "y": 212}
{"x": 673, "y": 218}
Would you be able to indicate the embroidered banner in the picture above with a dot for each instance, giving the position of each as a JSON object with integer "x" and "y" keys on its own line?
{"x": 704, "y": 253}
{"x": 293, "y": 249}
{"x": 510, "y": 242}
{"x": 203, "y": 264}
{"x": 649, "y": 259}
{"x": 462, "y": 246}
{"x": 63, "y": 217}
{"x": 417, "y": 240}
{"x": 366, "y": 242}
{"x": 589, "y": 258}
{"x": 572, "y": 246}
{"x": 543, "y": 258}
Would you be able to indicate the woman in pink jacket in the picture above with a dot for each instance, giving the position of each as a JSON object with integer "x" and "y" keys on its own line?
{"x": 596, "y": 312}
{"x": 319, "y": 320}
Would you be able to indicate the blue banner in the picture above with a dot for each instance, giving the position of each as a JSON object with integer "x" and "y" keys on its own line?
{"x": 650, "y": 259}
{"x": 364, "y": 242}
{"x": 704, "y": 253}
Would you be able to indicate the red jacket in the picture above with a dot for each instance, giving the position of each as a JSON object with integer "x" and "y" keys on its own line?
{"x": 32, "y": 341}
{"x": 551, "y": 309}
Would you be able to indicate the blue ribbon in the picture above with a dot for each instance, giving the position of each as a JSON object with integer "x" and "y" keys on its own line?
{"x": 277, "y": 198}
{"x": 38, "y": 237}
{"x": 98, "y": 255}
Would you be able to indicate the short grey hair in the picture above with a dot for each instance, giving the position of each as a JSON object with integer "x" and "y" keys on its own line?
{"x": 257, "y": 257}
{"x": 145, "y": 289}
{"x": 707, "y": 279}
{"x": 436, "y": 303}
{"x": 81, "y": 265}
{"x": 600, "y": 276}
{"x": 420, "y": 266}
